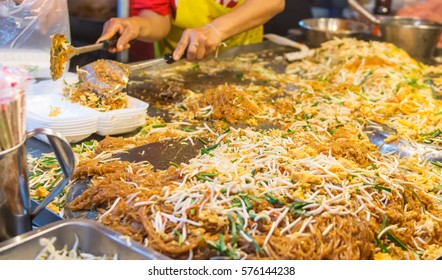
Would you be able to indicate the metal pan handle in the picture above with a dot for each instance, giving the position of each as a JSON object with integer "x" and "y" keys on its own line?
{"x": 65, "y": 158}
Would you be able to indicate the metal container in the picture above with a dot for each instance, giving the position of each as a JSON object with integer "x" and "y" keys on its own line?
{"x": 418, "y": 37}
{"x": 93, "y": 238}
{"x": 16, "y": 214}
{"x": 320, "y": 30}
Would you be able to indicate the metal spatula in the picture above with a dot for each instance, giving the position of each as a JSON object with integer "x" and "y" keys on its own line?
{"x": 107, "y": 77}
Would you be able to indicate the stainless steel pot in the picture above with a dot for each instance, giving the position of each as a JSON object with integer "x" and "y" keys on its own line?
{"x": 418, "y": 37}
{"x": 319, "y": 30}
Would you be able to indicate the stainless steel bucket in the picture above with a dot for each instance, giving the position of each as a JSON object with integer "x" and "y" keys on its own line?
{"x": 15, "y": 215}
{"x": 320, "y": 30}
{"x": 418, "y": 37}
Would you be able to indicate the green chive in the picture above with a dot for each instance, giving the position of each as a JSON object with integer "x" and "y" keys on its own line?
{"x": 380, "y": 188}
{"x": 247, "y": 202}
{"x": 204, "y": 178}
{"x": 382, "y": 245}
{"x": 158, "y": 125}
{"x": 254, "y": 198}
{"x": 212, "y": 147}
{"x": 396, "y": 241}
{"x": 207, "y": 174}
{"x": 202, "y": 141}
{"x": 233, "y": 225}
{"x": 174, "y": 163}
{"x": 384, "y": 223}
{"x": 55, "y": 182}
{"x": 257, "y": 247}
{"x": 188, "y": 129}
{"x": 180, "y": 237}
{"x": 221, "y": 243}
{"x": 273, "y": 200}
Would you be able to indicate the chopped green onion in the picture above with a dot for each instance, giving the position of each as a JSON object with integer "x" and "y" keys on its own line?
{"x": 396, "y": 241}
{"x": 202, "y": 141}
{"x": 207, "y": 174}
{"x": 296, "y": 207}
{"x": 384, "y": 223}
{"x": 158, "y": 125}
{"x": 188, "y": 129}
{"x": 257, "y": 247}
{"x": 174, "y": 163}
{"x": 254, "y": 198}
{"x": 382, "y": 245}
{"x": 221, "y": 243}
{"x": 233, "y": 225}
{"x": 380, "y": 188}
{"x": 273, "y": 200}
{"x": 212, "y": 147}
{"x": 180, "y": 237}
{"x": 247, "y": 202}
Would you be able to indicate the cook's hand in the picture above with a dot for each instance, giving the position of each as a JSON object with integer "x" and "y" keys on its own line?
{"x": 127, "y": 28}
{"x": 199, "y": 42}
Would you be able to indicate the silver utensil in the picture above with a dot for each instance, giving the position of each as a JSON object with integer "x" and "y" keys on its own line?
{"x": 62, "y": 51}
{"x": 418, "y": 37}
{"x": 107, "y": 77}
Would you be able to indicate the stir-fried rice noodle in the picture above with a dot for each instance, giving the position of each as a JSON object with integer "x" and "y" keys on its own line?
{"x": 311, "y": 187}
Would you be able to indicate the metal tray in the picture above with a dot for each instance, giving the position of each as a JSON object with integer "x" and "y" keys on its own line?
{"x": 93, "y": 237}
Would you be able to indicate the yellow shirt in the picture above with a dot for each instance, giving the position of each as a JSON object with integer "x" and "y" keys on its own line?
{"x": 196, "y": 13}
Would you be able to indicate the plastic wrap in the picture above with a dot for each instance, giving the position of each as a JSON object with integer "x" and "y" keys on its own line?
{"x": 26, "y": 27}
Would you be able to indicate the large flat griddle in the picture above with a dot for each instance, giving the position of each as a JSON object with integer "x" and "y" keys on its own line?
{"x": 161, "y": 154}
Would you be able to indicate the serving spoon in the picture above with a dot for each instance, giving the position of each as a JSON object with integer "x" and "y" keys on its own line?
{"x": 62, "y": 51}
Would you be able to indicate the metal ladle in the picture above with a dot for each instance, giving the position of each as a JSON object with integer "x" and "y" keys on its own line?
{"x": 108, "y": 77}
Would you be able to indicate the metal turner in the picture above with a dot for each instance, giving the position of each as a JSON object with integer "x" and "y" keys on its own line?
{"x": 108, "y": 77}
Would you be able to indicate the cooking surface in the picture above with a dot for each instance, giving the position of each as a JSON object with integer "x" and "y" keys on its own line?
{"x": 165, "y": 92}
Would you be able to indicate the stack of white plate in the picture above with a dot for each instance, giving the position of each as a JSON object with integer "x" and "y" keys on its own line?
{"x": 74, "y": 121}
{"x": 124, "y": 120}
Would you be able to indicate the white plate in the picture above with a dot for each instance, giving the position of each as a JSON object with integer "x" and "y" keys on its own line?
{"x": 75, "y": 119}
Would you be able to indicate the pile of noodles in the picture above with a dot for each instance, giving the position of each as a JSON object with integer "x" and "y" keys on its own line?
{"x": 288, "y": 170}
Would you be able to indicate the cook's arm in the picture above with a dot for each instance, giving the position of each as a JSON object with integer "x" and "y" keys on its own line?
{"x": 247, "y": 16}
{"x": 250, "y": 14}
{"x": 148, "y": 26}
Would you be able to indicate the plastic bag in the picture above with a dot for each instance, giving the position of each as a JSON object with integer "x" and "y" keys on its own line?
{"x": 26, "y": 27}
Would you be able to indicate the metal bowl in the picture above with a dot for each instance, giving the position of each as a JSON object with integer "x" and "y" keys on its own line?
{"x": 418, "y": 37}
{"x": 319, "y": 30}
